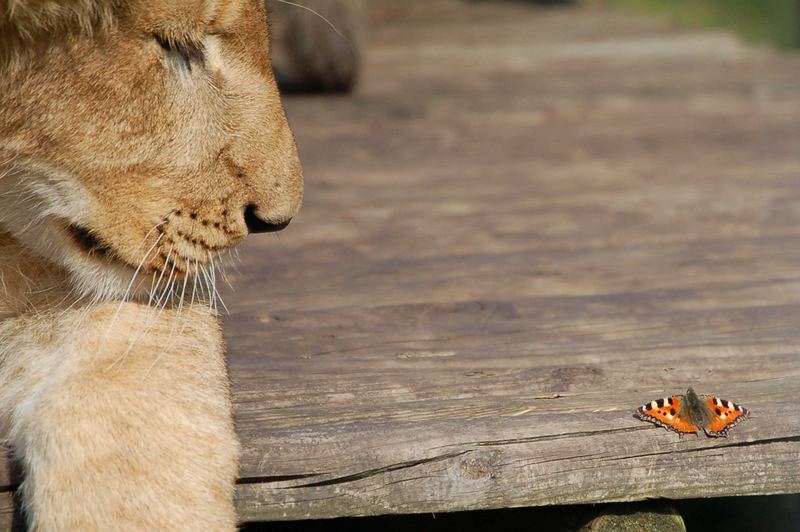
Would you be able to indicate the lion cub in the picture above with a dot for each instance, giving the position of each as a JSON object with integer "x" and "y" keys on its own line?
{"x": 140, "y": 141}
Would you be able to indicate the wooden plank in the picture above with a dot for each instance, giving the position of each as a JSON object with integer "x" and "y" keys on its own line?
{"x": 6, "y": 511}
{"x": 573, "y": 465}
{"x": 487, "y": 279}
{"x": 516, "y": 232}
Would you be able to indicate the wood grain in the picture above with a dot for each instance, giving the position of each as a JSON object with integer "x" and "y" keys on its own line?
{"x": 526, "y": 223}
{"x": 6, "y": 511}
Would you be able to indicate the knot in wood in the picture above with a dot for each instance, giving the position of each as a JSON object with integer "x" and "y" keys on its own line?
{"x": 476, "y": 467}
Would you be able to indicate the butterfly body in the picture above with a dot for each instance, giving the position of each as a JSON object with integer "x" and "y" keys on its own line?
{"x": 692, "y": 413}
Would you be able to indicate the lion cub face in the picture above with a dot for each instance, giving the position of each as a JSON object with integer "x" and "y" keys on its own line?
{"x": 152, "y": 144}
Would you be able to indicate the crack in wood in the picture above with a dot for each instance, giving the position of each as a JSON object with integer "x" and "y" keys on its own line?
{"x": 414, "y": 463}
{"x": 528, "y": 463}
{"x": 767, "y": 441}
{"x": 379, "y": 470}
{"x": 276, "y": 478}
{"x": 550, "y": 437}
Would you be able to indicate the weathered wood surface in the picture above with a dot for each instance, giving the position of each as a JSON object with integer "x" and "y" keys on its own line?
{"x": 525, "y": 224}
{"x": 6, "y": 510}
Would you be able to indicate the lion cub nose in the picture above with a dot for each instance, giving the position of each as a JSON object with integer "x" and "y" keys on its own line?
{"x": 256, "y": 224}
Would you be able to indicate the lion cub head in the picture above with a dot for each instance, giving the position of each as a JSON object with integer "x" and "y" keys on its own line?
{"x": 140, "y": 139}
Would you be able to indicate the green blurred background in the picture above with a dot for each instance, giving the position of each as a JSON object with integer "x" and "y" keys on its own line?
{"x": 775, "y": 22}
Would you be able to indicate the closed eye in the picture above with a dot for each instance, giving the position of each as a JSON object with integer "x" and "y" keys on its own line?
{"x": 187, "y": 53}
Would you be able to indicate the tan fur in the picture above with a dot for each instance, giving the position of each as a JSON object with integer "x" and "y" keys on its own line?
{"x": 25, "y": 25}
{"x": 134, "y": 135}
{"x": 113, "y": 441}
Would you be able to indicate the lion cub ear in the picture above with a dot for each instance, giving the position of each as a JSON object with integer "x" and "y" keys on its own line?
{"x": 27, "y": 22}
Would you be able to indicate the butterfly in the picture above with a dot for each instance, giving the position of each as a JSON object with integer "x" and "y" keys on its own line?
{"x": 692, "y": 412}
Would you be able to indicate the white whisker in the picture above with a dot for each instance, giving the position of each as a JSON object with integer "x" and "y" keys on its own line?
{"x": 214, "y": 281}
{"x": 154, "y": 287}
{"x": 211, "y": 301}
{"x": 133, "y": 279}
{"x": 323, "y": 18}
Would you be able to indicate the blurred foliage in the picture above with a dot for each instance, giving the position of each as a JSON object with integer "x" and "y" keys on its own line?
{"x": 775, "y": 22}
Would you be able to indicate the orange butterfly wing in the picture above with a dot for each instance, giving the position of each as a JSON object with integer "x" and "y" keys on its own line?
{"x": 665, "y": 412}
{"x": 726, "y": 415}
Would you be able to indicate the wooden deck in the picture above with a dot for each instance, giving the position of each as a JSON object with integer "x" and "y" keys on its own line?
{"x": 525, "y": 224}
